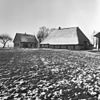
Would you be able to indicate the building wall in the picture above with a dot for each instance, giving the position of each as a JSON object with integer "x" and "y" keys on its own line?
{"x": 44, "y": 46}
{"x": 17, "y": 44}
{"x": 25, "y": 45}
{"x": 83, "y": 40}
{"x": 70, "y": 47}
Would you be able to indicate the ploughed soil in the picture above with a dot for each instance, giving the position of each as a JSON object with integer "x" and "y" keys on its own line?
{"x": 27, "y": 74}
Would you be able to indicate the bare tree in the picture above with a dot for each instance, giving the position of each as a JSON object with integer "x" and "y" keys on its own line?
{"x": 4, "y": 38}
{"x": 42, "y": 33}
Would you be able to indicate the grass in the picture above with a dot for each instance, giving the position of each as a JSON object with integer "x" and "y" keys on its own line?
{"x": 27, "y": 74}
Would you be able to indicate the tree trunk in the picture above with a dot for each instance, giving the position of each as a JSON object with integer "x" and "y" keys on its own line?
{"x": 4, "y": 45}
{"x": 39, "y": 43}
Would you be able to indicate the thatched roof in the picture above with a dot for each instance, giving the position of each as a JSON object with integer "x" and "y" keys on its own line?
{"x": 67, "y": 36}
{"x": 24, "y": 37}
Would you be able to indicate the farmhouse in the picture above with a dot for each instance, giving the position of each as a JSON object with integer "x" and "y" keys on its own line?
{"x": 25, "y": 41}
{"x": 66, "y": 38}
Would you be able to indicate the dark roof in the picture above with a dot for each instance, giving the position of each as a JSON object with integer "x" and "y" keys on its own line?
{"x": 24, "y": 37}
{"x": 65, "y": 36}
{"x": 97, "y": 35}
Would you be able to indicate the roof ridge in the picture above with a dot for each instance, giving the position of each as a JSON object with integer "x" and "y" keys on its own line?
{"x": 25, "y": 34}
{"x": 67, "y": 28}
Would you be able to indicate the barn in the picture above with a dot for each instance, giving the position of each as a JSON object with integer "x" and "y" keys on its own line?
{"x": 25, "y": 41}
{"x": 66, "y": 38}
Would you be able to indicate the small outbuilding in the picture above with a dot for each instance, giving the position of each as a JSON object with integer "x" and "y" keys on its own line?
{"x": 66, "y": 38}
{"x": 25, "y": 41}
{"x": 97, "y": 40}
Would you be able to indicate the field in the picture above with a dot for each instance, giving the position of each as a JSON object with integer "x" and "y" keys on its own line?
{"x": 27, "y": 74}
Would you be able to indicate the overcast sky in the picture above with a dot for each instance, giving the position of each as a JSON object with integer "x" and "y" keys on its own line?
{"x": 28, "y": 15}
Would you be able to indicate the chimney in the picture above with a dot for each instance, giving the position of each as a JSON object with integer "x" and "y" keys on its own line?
{"x": 59, "y": 28}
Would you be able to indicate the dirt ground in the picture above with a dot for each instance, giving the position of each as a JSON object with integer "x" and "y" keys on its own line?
{"x": 41, "y": 74}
